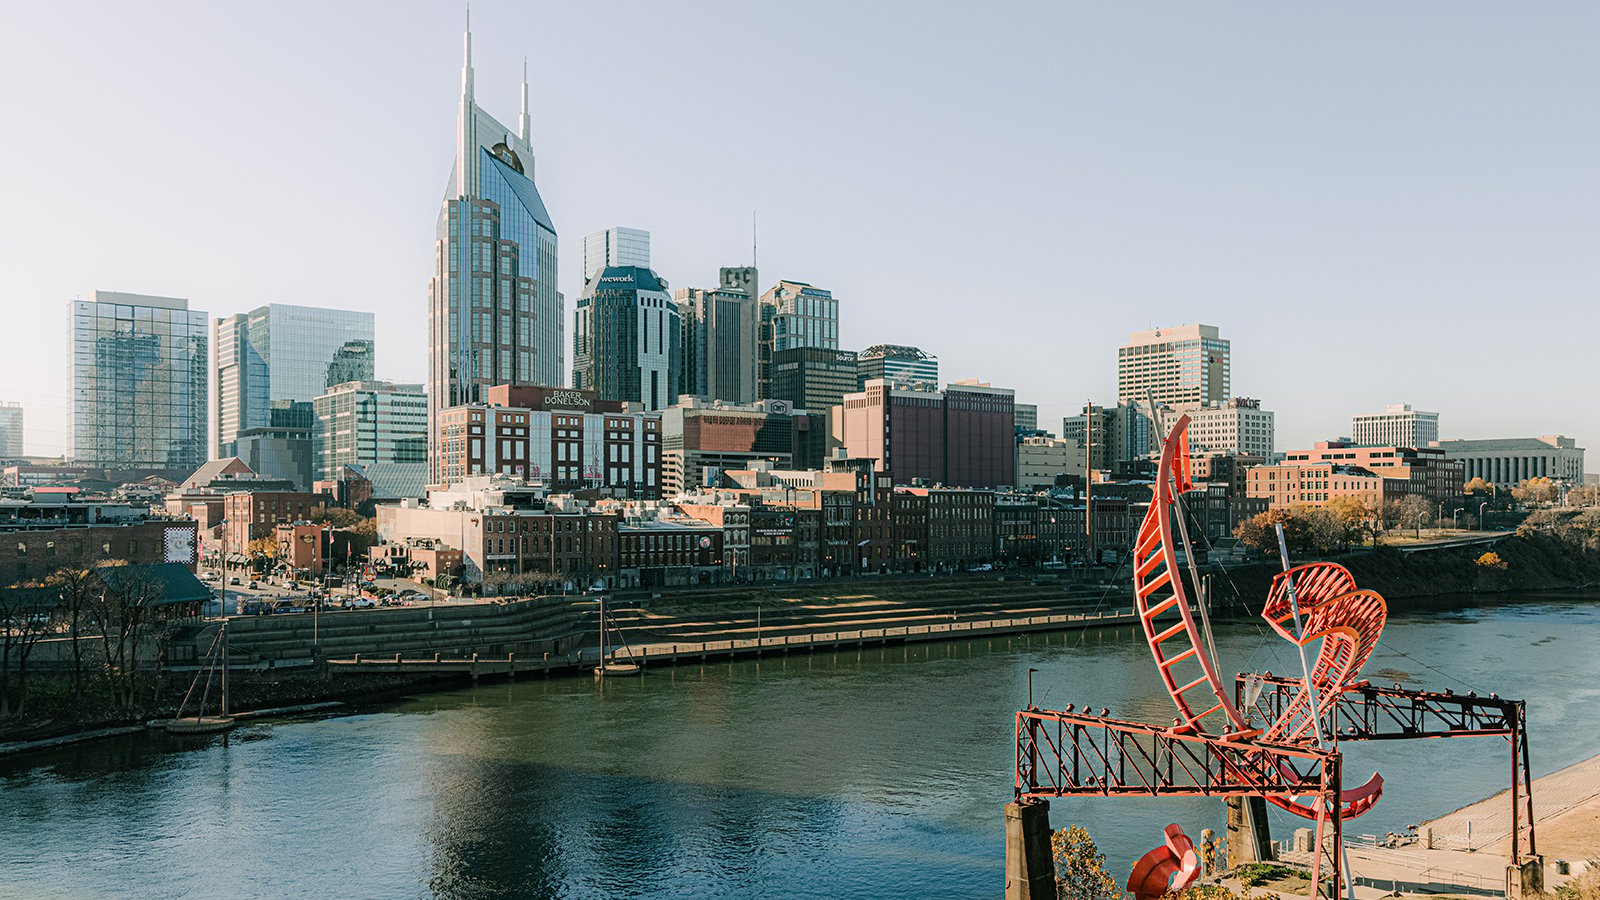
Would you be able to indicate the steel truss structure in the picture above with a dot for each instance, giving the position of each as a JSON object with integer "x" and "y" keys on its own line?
{"x": 1367, "y": 712}
{"x": 1061, "y": 753}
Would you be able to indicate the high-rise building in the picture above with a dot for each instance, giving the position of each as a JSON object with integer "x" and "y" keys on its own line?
{"x": 615, "y": 247}
{"x": 139, "y": 368}
{"x": 1397, "y": 426}
{"x": 901, "y": 365}
{"x": 720, "y": 331}
{"x": 795, "y": 314}
{"x": 281, "y": 353}
{"x": 10, "y": 429}
{"x": 367, "y": 422}
{"x": 813, "y": 379}
{"x": 963, "y": 436}
{"x": 494, "y": 314}
{"x": 1026, "y": 417}
{"x": 628, "y": 342}
{"x": 1114, "y": 438}
{"x": 1187, "y": 365}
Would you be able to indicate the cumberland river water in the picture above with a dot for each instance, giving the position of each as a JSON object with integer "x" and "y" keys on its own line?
{"x": 881, "y": 774}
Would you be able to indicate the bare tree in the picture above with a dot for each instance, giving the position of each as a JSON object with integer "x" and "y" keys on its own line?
{"x": 25, "y": 614}
{"x": 120, "y": 612}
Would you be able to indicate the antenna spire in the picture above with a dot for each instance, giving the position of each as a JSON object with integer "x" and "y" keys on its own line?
{"x": 752, "y": 239}
{"x": 466, "y": 56}
{"x": 522, "y": 123}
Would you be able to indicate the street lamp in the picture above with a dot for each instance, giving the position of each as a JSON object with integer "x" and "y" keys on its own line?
{"x": 1420, "y": 517}
{"x": 1483, "y": 525}
{"x": 1455, "y": 520}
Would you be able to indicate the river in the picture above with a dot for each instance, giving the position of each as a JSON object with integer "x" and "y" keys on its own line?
{"x": 876, "y": 774}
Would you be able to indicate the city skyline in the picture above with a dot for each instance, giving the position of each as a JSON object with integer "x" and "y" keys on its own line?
{"x": 1373, "y": 201}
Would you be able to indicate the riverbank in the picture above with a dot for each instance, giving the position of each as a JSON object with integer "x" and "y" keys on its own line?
{"x": 1566, "y": 812}
{"x": 1531, "y": 561}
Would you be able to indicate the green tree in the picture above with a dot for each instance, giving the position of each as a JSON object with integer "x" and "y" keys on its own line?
{"x": 1081, "y": 872}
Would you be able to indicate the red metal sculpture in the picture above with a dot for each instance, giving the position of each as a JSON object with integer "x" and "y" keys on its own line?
{"x": 1169, "y": 868}
{"x": 1346, "y": 620}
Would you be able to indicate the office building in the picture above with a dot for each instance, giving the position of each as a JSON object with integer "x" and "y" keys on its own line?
{"x": 1026, "y": 417}
{"x": 278, "y": 452}
{"x": 1041, "y": 461}
{"x": 366, "y": 423}
{"x": 963, "y": 436}
{"x": 1183, "y": 366}
{"x": 812, "y": 378}
{"x": 139, "y": 367}
{"x": 1427, "y": 471}
{"x": 628, "y": 343}
{"x": 568, "y": 440}
{"x": 795, "y": 314}
{"x": 615, "y": 247}
{"x": 1236, "y": 425}
{"x": 10, "y": 430}
{"x": 721, "y": 329}
{"x": 1118, "y": 439}
{"x": 494, "y": 314}
{"x": 700, "y": 441}
{"x": 280, "y": 353}
{"x": 1507, "y": 462}
{"x": 1397, "y": 426}
{"x": 900, "y": 365}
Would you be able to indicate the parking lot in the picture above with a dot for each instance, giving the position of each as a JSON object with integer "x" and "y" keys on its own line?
{"x": 260, "y": 596}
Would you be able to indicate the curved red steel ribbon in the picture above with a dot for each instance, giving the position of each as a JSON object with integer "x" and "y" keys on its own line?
{"x": 1346, "y": 620}
{"x": 1158, "y": 588}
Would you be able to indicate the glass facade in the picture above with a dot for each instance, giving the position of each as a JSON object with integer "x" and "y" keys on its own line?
{"x": 628, "y": 344}
{"x": 615, "y": 247}
{"x": 361, "y": 423}
{"x": 10, "y": 430}
{"x": 281, "y": 353}
{"x": 795, "y": 314}
{"x": 494, "y": 313}
{"x": 139, "y": 383}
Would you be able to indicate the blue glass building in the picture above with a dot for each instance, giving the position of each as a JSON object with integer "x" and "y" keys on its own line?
{"x": 494, "y": 314}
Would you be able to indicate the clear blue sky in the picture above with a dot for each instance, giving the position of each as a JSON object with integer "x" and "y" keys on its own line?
{"x": 1375, "y": 202}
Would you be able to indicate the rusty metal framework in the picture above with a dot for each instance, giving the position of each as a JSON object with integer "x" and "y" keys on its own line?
{"x": 1368, "y": 712}
{"x": 1062, "y": 753}
{"x": 1214, "y": 748}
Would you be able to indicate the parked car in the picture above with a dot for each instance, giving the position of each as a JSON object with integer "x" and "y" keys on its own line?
{"x": 360, "y": 603}
{"x": 234, "y": 580}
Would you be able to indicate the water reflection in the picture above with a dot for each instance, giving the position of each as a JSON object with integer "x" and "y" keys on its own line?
{"x": 874, "y": 773}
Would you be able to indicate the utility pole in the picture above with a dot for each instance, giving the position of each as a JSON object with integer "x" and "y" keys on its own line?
{"x": 1088, "y": 479}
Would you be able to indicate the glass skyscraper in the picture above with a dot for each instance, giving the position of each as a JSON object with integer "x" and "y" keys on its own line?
{"x": 280, "y": 354}
{"x": 138, "y": 383}
{"x": 615, "y": 247}
{"x": 629, "y": 341}
{"x": 795, "y": 314}
{"x": 494, "y": 314}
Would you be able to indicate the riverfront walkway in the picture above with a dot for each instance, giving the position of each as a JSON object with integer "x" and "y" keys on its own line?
{"x": 685, "y": 653}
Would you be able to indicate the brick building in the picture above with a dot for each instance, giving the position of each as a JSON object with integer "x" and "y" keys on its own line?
{"x": 565, "y": 439}
{"x": 963, "y": 436}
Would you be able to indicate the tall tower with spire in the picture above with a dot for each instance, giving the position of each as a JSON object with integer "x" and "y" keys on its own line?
{"x": 494, "y": 314}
